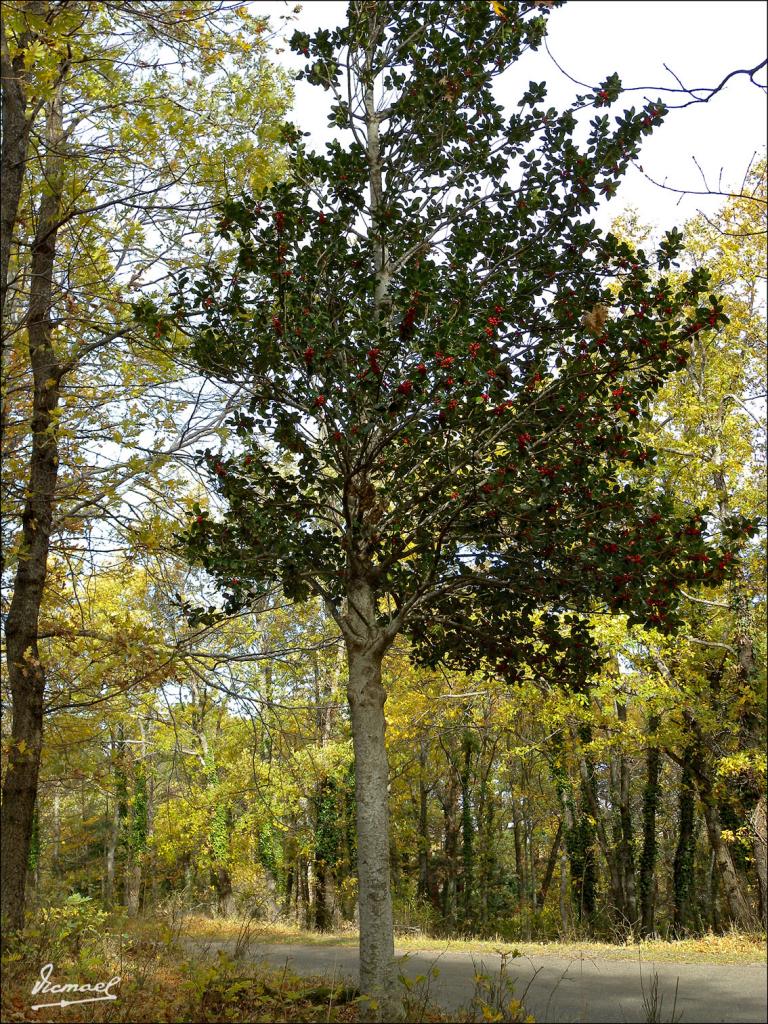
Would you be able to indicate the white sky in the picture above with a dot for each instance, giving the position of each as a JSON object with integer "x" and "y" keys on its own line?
{"x": 700, "y": 41}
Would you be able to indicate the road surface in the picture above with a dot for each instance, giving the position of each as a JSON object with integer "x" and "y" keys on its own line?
{"x": 559, "y": 991}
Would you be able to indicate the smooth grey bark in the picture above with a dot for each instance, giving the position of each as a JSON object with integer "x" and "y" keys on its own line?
{"x": 366, "y": 702}
{"x": 26, "y": 675}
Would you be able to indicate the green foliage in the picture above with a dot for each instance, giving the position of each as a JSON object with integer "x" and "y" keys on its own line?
{"x": 431, "y": 413}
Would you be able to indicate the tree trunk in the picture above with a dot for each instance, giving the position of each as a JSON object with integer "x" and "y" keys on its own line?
{"x": 132, "y": 887}
{"x": 682, "y": 873}
{"x": 759, "y": 843}
{"x": 530, "y": 847}
{"x": 648, "y": 855}
{"x": 564, "y": 916}
{"x": 589, "y": 794}
{"x": 734, "y": 897}
{"x": 626, "y": 850}
{"x": 113, "y": 838}
{"x": 423, "y": 887}
{"x": 56, "y": 867}
{"x": 366, "y": 702}
{"x": 302, "y": 893}
{"x": 488, "y": 858}
{"x": 738, "y": 907}
{"x": 287, "y": 899}
{"x": 26, "y": 676}
{"x": 450, "y": 850}
{"x": 13, "y": 157}
{"x": 521, "y": 869}
{"x": 550, "y": 868}
{"x": 713, "y": 890}
{"x": 467, "y": 837}
{"x": 222, "y": 884}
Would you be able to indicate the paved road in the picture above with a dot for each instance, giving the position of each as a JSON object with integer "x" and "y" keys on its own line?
{"x": 559, "y": 991}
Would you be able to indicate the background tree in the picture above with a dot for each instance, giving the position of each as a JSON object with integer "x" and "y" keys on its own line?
{"x": 94, "y": 197}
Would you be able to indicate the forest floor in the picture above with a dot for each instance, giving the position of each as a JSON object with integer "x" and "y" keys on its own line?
{"x": 709, "y": 981}
{"x": 194, "y": 968}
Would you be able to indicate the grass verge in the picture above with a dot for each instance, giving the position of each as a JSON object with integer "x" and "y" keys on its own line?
{"x": 731, "y": 948}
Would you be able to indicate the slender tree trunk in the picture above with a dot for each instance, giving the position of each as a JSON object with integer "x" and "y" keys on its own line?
{"x": 682, "y": 875}
{"x": 648, "y": 855}
{"x": 521, "y": 869}
{"x": 366, "y": 701}
{"x": 302, "y": 893}
{"x": 132, "y": 887}
{"x": 423, "y": 887}
{"x": 550, "y": 868}
{"x": 759, "y": 826}
{"x": 530, "y": 847}
{"x": 26, "y": 676}
{"x": 289, "y": 877}
{"x": 56, "y": 833}
{"x": 113, "y": 838}
{"x": 488, "y": 857}
{"x": 627, "y": 843}
{"x": 467, "y": 837}
{"x": 589, "y": 793}
{"x": 713, "y": 890}
{"x": 564, "y": 916}
{"x": 450, "y": 851}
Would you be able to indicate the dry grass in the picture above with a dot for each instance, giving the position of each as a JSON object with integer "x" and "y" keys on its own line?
{"x": 731, "y": 948}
